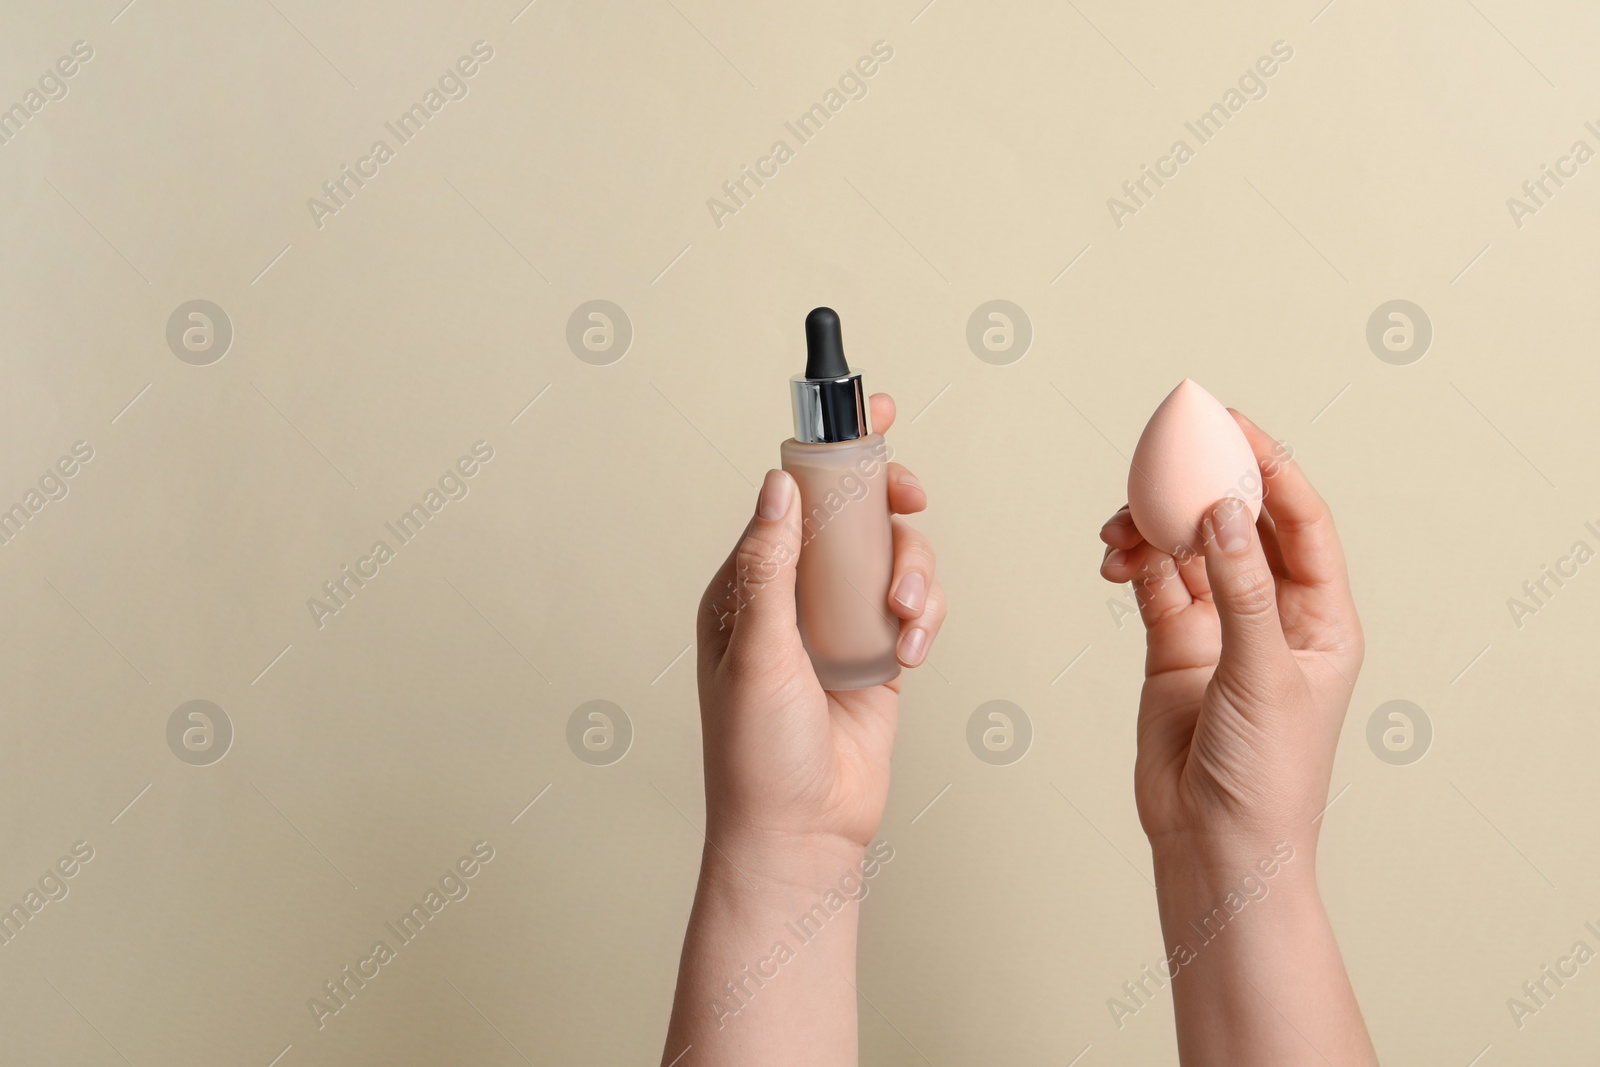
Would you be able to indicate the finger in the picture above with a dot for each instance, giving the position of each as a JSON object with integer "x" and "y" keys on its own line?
{"x": 753, "y": 594}
{"x": 912, "y": 579}
{"x": 1306, "y": 538}
{"x": 916, "y": 635}
{"x": 1120, "y": 532}
{"x": 880, "y": 408}
{"x": 1158, "y": 587}
{"x": 906, "y": 495}
{"x": 1268, "y": 532}
{"x": 1245, "y": 595}
{"x": 1192, "y": 569}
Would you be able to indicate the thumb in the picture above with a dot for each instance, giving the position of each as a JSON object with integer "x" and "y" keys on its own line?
{"x": 764, "y": 569}
{"x": 1246, "y": 597}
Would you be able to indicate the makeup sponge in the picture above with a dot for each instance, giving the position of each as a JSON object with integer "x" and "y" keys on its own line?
{"x": 1191, "y": 455}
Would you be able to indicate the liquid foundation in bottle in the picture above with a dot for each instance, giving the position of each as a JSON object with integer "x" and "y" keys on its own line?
{"x": 847, "y": 549}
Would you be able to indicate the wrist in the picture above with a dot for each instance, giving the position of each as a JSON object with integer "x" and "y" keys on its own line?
{"x": 784, "y": 865}
{"x": 1215, "y": 857}
{"x": 1219, "y": 864}
{"x": 784, "y": 845}
{"x": 1254, "y": 968}
{"x": 786, "y": 898}
{"x": 771, "y": 948}
{"x": 1203, "y": 887}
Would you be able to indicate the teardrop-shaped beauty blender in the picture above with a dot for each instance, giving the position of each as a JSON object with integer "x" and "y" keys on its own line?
{"x": 1191, "y": 455}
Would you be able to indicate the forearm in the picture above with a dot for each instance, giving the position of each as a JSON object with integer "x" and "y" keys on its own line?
{"x": 1259, "y": 979}
{"x": 768, "y": 968}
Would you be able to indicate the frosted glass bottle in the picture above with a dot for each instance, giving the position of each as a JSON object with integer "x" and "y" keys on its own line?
{"x": 846, "y": 560}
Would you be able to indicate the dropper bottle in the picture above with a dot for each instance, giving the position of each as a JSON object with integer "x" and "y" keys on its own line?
{"x": 847, "y": 543}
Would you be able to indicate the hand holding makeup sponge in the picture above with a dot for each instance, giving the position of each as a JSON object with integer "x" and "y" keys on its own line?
{"x": 1191, "y": 455}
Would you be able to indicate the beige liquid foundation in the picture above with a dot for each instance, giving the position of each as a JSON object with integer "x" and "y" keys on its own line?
{"x": 847, "y": 549}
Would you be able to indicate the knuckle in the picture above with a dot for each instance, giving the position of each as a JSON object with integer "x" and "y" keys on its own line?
{"x": 913, "y": 546}
{"x": 1252, "y": 594}
{"x": 758, "y": 559}
{"x": 916, "y": 555}
{"x": 1146, "y": 586}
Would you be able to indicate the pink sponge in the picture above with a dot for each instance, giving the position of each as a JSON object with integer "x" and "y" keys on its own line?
{"x": 1191, "y": 455}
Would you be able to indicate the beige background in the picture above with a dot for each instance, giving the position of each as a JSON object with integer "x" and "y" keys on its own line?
{"x": 426, "y": 315}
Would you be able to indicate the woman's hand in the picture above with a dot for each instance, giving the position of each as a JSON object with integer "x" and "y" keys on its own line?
{"x": 1252, "y": 652}
{"x": 784, "y": 759}
{"x": 796, "y": 782}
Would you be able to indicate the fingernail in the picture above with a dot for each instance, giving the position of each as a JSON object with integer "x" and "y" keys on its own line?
{"x": 907, "y": 478}
{"x": 1231, "y": 521}
{"x": 774, "y": 501}
{"x": 1114, "y": 558}
{"x": 911, "y": 591}
{"x": 913, "y": 645}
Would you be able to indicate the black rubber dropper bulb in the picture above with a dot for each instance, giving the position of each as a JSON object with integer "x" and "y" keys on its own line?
{"x": 824, "y": 345}
{"x": 829, "y": 403}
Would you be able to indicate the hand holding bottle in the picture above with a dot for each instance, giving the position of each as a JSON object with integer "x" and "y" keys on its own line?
{"x": 796, "y": 782}
{"x": 783, "y": 756}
